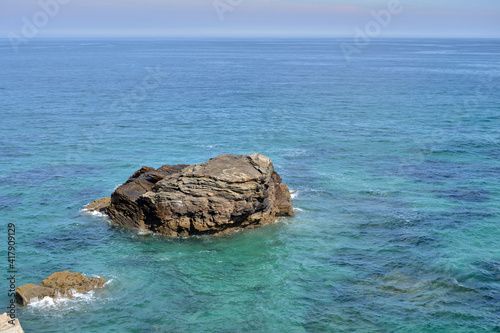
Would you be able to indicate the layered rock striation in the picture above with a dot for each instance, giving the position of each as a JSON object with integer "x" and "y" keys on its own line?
{"x": 226, "y": 193}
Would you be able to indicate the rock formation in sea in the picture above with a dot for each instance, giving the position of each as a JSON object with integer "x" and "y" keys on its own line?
{"x": 226, "y": 193}
{"x": 61, "y": 284}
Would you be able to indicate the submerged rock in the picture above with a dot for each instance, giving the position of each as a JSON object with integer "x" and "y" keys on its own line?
{"x": 226, "y": 193}
{"x": 60, "y": 284}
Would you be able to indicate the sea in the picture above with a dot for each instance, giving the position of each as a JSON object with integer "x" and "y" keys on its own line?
{"x": 391, "y": 153}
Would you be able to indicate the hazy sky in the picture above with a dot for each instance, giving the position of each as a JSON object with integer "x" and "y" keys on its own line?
{"x": 453, "y": 18}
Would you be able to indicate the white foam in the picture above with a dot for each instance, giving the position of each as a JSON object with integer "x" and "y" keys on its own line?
{"x": 298, "y": 209}
{"x": 208, "y": 146}
{"x": 295, "y": 152}
{"x": 50, "y": 303}
{"x": 208, "y": 251}
{"x": 93, "y": 213}
{"x": 74, "y": 301}
{"x": 142, "y": 232}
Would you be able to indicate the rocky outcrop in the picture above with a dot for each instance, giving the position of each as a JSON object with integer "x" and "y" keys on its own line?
{"x": 60, "y": 284}
{"x": 227, "y": 193}
{"x": 124, "y": 207}
{"x": 99, "y": 206}
{"x": 9, "y": 324}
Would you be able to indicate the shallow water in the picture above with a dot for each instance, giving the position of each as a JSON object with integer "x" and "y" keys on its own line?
{"x": 394, "y": 157}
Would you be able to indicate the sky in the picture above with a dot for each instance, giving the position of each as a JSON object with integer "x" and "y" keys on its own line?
{"x": 158, "y": 18}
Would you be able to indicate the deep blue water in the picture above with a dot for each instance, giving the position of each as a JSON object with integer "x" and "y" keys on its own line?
{"x": 394, "y": 155}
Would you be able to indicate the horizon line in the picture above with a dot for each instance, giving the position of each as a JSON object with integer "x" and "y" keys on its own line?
{"x": 304, "y": 36}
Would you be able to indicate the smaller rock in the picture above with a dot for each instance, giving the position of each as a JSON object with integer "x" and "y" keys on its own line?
{"x": 66, "y": 283}
{"x": 60, "y": 284}
{"x": 100, "y": 205}
{"x": 9, "y": 325}
{"x": 31, "y": 293}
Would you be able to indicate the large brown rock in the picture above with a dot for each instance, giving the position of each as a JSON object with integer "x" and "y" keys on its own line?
{"x": 227, "y": 193}
{"x": 60, "y": 284}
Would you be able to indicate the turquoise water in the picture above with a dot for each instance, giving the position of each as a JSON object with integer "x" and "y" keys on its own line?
{"x": 394, "y": 157}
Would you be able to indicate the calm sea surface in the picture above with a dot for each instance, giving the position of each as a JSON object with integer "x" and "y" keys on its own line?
{"x": 394, "y": 157}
